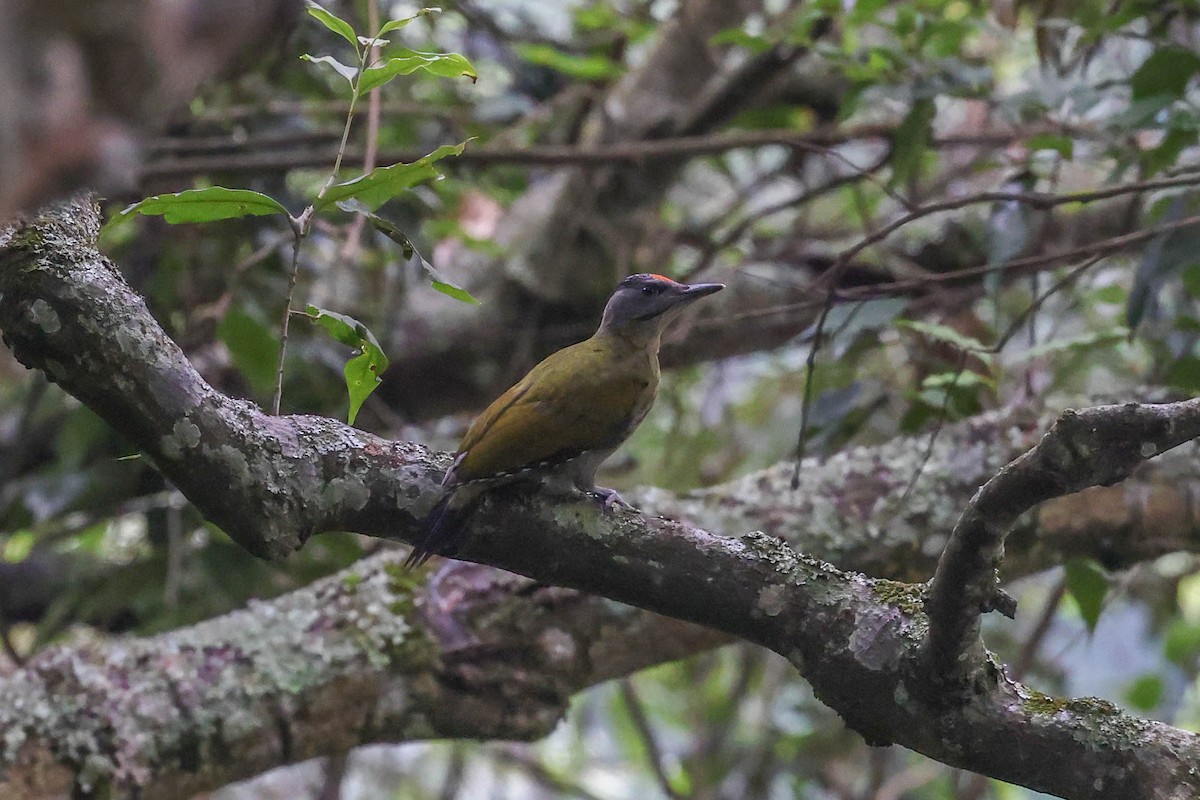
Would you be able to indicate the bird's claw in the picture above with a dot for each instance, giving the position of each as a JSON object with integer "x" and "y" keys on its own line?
{"x": 609, "y": 499}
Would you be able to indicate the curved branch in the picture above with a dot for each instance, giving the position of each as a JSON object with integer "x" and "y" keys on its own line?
{"x": 1092, "y": 447}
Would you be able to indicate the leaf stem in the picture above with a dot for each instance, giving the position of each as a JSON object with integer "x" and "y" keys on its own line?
{"x": 300, "y": 228}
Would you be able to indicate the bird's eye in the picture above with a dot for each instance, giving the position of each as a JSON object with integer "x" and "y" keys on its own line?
{"x": 651, "y": 290}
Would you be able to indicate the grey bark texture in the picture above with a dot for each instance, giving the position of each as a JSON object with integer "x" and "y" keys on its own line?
{"x": 272, "y": 482}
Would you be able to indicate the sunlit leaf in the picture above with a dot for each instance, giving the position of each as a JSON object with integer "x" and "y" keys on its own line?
{"x": 1063, "y": 145}
{"x": 363, "y": 371}
{"x": 206, "y": 205}
{"x": 383, "y": 183}
{"x": 580, "y": 67}
{"x": 333, "y": 23}
{"x": 18, "y": 546}
{"x": 362, "y": 378}
{"x": 396, "y": 24}
{"x": 345, "y": 71}
{"x": 1087, "y": 583}
{"x": 444, "y": 65}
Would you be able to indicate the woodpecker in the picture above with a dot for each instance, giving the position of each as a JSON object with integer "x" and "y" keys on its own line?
{"x": 568, "y": 414}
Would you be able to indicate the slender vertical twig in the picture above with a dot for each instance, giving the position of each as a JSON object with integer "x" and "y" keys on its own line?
{"x": 637, "y": 713}
{"x": 302, "y": 223}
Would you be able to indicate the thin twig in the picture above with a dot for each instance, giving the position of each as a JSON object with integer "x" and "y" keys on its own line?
{"x": 354, "y": 231}
{"x": 961, "y": 367}
{"x": 1039, "y": 200}
{"x": 1029, "y": 650}
{"x": 300, "y": 226}
{"x": 807, "y": 196}
{"x": 638, "y": 152}
{"x": 287, "y": 318}
{"x": 810, "y": 364}
{"x": 637, "y": 713}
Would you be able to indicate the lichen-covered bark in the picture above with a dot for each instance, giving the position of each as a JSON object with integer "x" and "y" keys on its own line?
{"x": 365, "y": 656}
{"x": 1092, "y": 447}
{"x": 273, "y": 481}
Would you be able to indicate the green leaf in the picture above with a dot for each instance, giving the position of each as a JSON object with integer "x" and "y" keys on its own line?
{"x": 346, "y": 72}
{"x": 1145, "y": 692}
{"x": 1087, "y": 583}
{"x": 383, "y": 183}
{"x": 1190, "y": 276}
{"x": 1087, "y": 342}
{"x": 1166, "y": 72}
{"x": 1181, "y": 643}
{"x": 334, "y": 23}
{"x": 388, "y": 229}
{"x": 740, "y": 37}
{"x": 446, "y": 287}
{"x": 963, "y": 379}
{"x": 18, "y": 546}
{"x": 1183, "y": 374}
{"x": 580, "y": 67}
{"x": 944, "y": 333}
{"x": 396, "y": 24}
{"x": 253, "y": 345}
{"x": 206, "y": 205}
{"x": 444, "y": 65}
{"x": 363, "y": 371}
{"x": 1063, "y": 145}
{"x": 1167, "y": 153}
{"x": 1114, "y": 295}
{"x": 362, "y": 378}
{"x": 911, "y": 140}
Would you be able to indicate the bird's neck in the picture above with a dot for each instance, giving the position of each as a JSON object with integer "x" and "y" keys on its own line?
{"x": 638, "y": 337}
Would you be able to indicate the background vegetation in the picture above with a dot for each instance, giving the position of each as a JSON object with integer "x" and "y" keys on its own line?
{"x": 925, "y": 211}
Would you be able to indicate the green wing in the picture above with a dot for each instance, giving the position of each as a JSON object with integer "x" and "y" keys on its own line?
{"x": 565, "y": 406}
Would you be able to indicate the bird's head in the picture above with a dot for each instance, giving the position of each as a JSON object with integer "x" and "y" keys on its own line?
{"x": 651, "y": 301}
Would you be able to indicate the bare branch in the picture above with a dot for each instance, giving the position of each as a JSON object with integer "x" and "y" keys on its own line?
{"x": 633, "y": 153}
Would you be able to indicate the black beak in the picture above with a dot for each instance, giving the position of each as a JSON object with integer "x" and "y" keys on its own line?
{"x": 695, "y": 291}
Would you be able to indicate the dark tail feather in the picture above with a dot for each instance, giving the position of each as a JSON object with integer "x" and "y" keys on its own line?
{"x": 443, "y": 531}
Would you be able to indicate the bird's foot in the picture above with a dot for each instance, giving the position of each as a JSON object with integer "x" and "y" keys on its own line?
{"x": 608, "y": 498}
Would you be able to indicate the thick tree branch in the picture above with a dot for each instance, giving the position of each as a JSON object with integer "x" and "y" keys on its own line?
{"x": 273, "y": 481}
{"x": 368, "y": 655}
{"x": 1093, "y": 447}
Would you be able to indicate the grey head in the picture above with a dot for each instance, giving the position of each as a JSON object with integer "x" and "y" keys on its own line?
{"x": 651, "y": 301}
